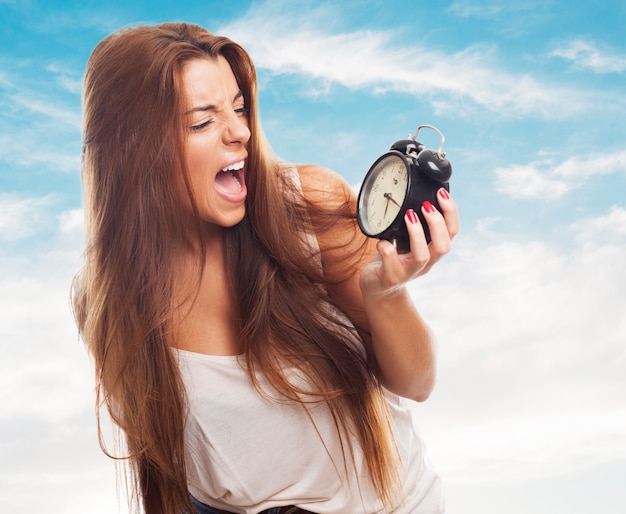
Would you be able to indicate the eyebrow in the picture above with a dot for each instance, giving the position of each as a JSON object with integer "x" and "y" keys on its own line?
{"x": 211, "y": 107}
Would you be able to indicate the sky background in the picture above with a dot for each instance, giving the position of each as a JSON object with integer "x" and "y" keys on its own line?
{"x": 529, "y": 413}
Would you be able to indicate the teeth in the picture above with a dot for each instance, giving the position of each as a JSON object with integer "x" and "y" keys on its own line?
{"x": 236, "y": 179}
{"x": 234, "y": 167}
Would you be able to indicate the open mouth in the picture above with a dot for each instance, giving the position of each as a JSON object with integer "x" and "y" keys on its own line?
{"x": 230, "y": 179}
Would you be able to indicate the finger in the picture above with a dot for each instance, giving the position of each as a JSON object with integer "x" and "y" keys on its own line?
{"x": 386, "y": 249}
{"x": 440, "y": 241}
{"x": 420, "y": 253}
{"x": 450, "y": 212}
{"x": 391, "y": 271}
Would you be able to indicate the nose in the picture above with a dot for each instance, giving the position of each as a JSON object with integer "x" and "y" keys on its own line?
{"x": 237, "y": 129}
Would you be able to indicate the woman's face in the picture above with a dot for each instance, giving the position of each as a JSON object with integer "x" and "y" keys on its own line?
{"x": 217, "y": 134}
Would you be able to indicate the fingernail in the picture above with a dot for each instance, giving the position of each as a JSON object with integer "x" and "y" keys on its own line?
{"x": 444, "y": 193}
{"x": 412, "y": 216}
{"x": 428, "y": 207}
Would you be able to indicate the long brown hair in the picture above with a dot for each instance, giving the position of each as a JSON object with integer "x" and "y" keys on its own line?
{"x": 133, "y": 152}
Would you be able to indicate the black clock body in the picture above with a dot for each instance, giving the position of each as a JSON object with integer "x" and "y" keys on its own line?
{"x": 428, "y": 171}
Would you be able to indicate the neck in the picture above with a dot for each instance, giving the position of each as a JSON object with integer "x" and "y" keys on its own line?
{"x": 205, "y": 318}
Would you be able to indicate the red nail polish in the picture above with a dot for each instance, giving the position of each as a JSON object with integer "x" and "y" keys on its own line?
{"x": 444, "y": 193}
{"x": 412, "y": 216}
{"x": 428, "y": 207}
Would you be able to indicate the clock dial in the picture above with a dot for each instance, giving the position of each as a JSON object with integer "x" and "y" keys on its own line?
{"x": 382, "y": 194}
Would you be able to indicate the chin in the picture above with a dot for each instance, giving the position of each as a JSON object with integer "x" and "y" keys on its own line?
{"x": 227, "y": 221}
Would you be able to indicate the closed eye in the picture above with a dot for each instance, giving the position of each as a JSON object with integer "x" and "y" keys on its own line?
{"x": 200, "y": 126}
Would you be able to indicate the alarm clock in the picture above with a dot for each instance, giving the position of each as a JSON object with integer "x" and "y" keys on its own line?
{"x": 401, "y": 179}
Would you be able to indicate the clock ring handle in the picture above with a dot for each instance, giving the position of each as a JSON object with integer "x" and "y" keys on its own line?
{"x": 440, "y": 153}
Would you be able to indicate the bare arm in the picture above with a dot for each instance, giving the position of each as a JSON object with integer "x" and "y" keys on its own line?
{"x": 369, "y": 282}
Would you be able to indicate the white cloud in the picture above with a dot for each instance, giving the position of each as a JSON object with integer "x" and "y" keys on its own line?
{"x": 532, "y": 356}
{"x": 71, "y": 221}
{"x": 41, "y": 363}
{"x": 36, "y": 148}
{"x": 47, "y": 418}
{"x": 4, "y": 80}
{"x": 589, "y": 55}
{"x": 488, "y": 9}
{"x": 529, "y": 182}
{"x": 23, "y": 217}
{"x": 24, "y": 95}
{"x": 511, "y": 450}
{"x": 38, "y": 332}
{"x": 282, "y": 42}
{"x": 86, "y": 17}
{"x": 66, "y": 78}
{"x": 609, "y": 228}
{"x": 582, "y": 167}
{"x": 37, "y": 104}
{"x": 39, "y": 129}
{"x": 548, "y": 180}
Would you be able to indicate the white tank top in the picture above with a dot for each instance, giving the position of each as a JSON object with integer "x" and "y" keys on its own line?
{"x": 245, "y": 453}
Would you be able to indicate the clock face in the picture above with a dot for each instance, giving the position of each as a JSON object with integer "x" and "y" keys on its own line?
{"x": 382, "y": 194}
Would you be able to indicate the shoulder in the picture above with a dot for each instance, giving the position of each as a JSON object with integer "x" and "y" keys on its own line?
{"x": 323, "y": 186}
{"x": 344, "y": 248}
{"x": 316, "y": 175}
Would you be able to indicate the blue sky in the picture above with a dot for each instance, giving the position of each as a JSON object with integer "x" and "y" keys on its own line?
{"x": 529, "y": 414}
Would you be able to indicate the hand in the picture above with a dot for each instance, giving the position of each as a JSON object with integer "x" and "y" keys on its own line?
{"x": 389, "y": 272}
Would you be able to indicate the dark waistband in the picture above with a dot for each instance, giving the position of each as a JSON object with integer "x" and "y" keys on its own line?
{"x": 290, "y": 509}
{"x": 202, "y": 508}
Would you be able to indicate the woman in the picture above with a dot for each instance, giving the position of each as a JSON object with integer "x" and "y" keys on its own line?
{"x": 252, "y": 346}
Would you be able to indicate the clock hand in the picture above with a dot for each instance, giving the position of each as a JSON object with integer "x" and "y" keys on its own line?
{"x": 386, "y": 206}
{"x": 389, "y": 197}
